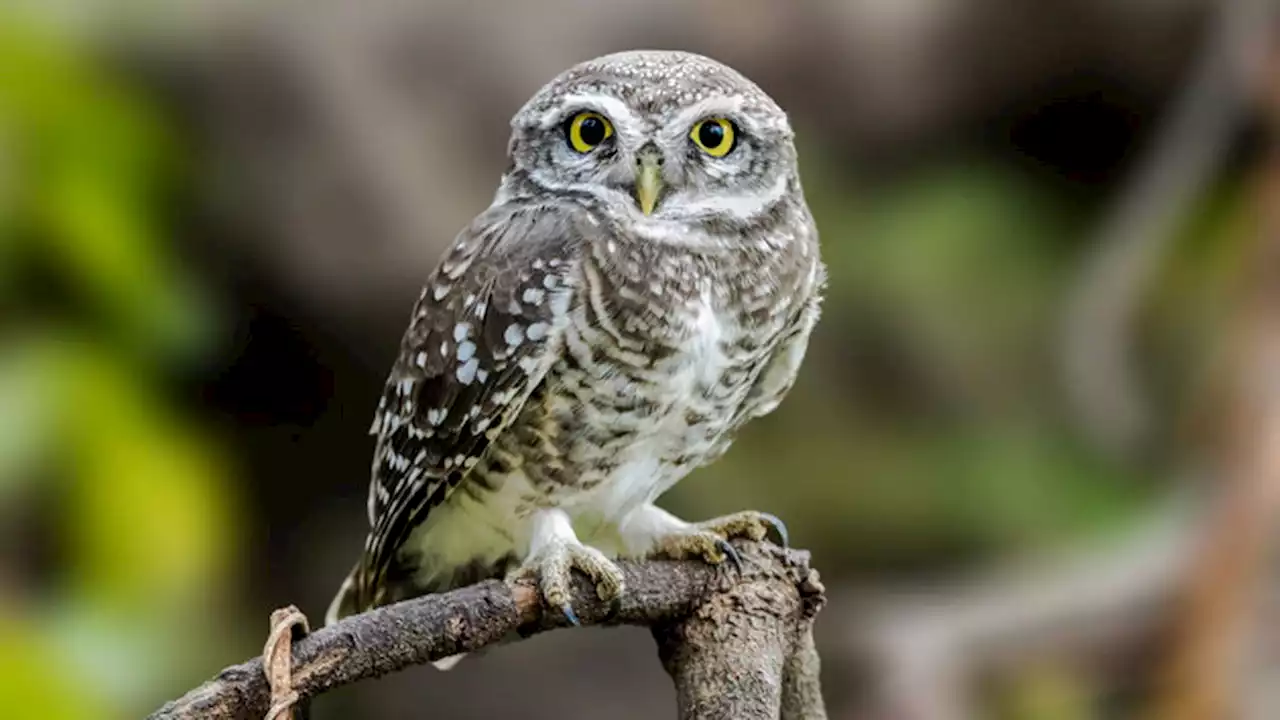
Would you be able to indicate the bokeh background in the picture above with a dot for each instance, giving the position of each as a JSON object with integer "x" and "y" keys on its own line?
{"x": 1029, "y": 450}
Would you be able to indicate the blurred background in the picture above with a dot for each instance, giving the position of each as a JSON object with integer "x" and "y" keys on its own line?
{"x": 1033, "y": 449}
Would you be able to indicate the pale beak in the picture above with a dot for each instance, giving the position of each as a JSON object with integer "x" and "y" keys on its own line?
{"x": 648, "y": 181}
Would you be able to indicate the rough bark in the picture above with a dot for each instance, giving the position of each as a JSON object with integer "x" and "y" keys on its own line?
{"x": 730, "y": 639}
{"x": 729, "y": 658}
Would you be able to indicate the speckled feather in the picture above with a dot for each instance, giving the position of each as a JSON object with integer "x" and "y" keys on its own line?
{"x": 572, "y": 353}
{"x": 480, "y": 339}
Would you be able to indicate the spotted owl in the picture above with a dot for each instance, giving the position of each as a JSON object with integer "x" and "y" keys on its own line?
{"x": 644, "y": 284}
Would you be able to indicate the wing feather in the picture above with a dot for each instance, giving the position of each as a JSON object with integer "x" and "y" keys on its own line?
{"x": 484, "y": 333}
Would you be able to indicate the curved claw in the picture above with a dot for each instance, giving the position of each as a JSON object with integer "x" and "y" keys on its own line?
{"x": 569, "y": 614}
{"x": 778, "y": 526}
{"x": 730, "y": 552}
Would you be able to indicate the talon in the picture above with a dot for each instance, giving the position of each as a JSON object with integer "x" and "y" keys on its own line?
{"x": 569, "y": 614}
{"x": 730, "y": 552}
{"x": 554, "y": 565}
{"x": 780, "y": 527}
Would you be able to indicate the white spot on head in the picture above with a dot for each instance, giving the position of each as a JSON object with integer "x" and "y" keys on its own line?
{"x": 420, "y": 360}
{"x": 435, "y": 416}
{"x": 466, "y": 349}
{"x": 440, "y": 291}
{"x": 467, "y": 371}
{"x": 461, "y": 331}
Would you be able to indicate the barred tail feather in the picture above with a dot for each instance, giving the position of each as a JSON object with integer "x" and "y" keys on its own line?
{"x": 347, "y": 602}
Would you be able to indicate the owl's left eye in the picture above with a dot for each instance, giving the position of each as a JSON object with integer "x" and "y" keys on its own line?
{"x": 587, "y": 130}
{"x": 715, "y": 136}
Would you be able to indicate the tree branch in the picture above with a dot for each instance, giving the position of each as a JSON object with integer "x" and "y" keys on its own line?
{"x": 737, "y": 645}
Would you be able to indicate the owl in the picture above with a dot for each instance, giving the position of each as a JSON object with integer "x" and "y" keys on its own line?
{"x": 643, "y": 285}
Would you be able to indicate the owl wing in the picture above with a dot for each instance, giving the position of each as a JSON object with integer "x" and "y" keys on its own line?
{"x": 783, "y": 365}
{"x": 484, "y": 333}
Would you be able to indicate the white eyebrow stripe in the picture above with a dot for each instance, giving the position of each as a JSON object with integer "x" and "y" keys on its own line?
{"x": 613, "y": 108}
{"x": 719, "y": 105}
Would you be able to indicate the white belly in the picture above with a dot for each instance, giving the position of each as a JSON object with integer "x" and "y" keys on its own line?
{"x": 646, "y": 471}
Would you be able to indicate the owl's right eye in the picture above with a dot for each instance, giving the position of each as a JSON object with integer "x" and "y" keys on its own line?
{"x": 587, "y": 130}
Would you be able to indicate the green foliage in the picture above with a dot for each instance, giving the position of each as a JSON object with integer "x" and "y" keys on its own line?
{"x": 86, "y": 166}
{"x": 134, "y": 495}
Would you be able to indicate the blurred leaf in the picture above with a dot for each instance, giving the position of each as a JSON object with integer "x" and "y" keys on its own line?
{"x": 146, "y": 507}
{"x": 144, "y": 515}
{"x": 87, "y": 161}
{"x": 35, "y": 683}
{"x": 27, "y": 428}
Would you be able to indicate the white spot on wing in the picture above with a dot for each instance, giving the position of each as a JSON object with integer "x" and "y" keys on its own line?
{"x": 514, "y": 334}
{"x": 467, "y": 372}
{"x": 537, "y": 331}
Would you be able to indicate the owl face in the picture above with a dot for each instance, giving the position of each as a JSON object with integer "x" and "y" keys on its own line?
{"x": 656, "y": 137}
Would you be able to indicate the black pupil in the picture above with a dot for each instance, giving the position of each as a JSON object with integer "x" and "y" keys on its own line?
{"x": 711, "y": 135}
{"x": 591, "y": 130}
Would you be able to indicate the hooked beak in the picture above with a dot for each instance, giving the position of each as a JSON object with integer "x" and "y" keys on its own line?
{"x": 648, "y": 181}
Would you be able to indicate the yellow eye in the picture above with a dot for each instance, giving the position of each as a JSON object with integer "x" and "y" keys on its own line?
{"x": 714, "y": 135}
{"x": 587, "y": 130}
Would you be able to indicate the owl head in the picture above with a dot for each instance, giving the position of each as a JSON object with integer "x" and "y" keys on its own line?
{"x": 656, "y": 137}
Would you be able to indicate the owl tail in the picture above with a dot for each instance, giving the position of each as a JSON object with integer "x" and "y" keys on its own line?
{"x": 347, "y": 602}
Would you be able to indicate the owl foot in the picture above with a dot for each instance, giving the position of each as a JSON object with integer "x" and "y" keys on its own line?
{"x": 710, "y": 540}
{"x": 750, "y": 524}
{"x": 551, "y": 569}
